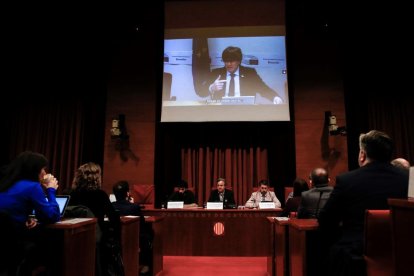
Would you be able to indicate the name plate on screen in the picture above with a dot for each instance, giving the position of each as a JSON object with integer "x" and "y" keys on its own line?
{"x": 112, "y": 198}
{"x": 240, "y": 100}
{"x": 214, "y": 205}
{"x": 175, "y": 204}
{"x": 267, "y": 205}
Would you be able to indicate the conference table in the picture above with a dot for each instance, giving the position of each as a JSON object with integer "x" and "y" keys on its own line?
{"x": 202, "y": 232}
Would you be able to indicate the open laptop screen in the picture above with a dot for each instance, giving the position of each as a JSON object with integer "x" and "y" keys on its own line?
{"x": 62, "y": 201}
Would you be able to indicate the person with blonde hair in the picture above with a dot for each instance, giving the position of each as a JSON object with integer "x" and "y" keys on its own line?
{"x": 86, "y": 191}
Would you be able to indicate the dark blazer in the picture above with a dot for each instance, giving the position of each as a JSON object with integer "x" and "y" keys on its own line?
{"x": 228, "y": 197}
{"x": 313, "y": 201}
{"x": 126, "y": 208}
{"x": 100, "y": 205}
{"x": 368, "y": 187}
{"x": 188, "y": 197}
{"x": 250, "y": 84}
{"x": 146, "y": 235}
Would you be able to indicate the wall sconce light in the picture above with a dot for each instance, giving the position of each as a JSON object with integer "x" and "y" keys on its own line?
{"x": 333, "y": 128}
{"x": 118, "y": 128}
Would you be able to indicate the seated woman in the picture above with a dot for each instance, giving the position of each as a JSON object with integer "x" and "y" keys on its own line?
{"x": 292, "y": 203}
{"x": 86, "y": 190}
{"x": 25, "y": 186}
{"x": 183, "y": 194}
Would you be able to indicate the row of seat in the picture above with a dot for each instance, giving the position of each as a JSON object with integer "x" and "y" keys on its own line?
{"x": 294, "y": 245}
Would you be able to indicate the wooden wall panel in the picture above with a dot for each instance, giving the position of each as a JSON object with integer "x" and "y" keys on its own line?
{"x": 318, "y": 87}
{"x": 134, "y": 161}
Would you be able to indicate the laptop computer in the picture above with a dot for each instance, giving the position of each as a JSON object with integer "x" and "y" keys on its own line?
{"x": 62, "y": 201}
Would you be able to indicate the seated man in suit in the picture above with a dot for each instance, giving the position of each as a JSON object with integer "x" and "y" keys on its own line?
{"x": 262, "y": 194}
{"x": 367, "y": 187}
{"x": 125, "y": 205}
{"x": 221, "y": 194}
{"x": 183, "y": 194}
{"x": 312, "y": 201}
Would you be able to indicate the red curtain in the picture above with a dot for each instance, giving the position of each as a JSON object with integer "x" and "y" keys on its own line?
{"x": 241, "y": 167}
{"x": 66, "y": 131}
{"x": 394, "y": 116}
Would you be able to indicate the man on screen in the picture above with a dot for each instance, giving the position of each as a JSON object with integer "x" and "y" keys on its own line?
{"x": 236, "y": 80}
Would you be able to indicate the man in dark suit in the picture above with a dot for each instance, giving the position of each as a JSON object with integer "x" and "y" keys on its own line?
{"x": 183, "y": 194}
{"x": 368, "y": 187}
{"x": 221, "y": 194}
{"x": 236, "y": 80}
{"x": 312, "y": 201}
{"x": 125, "y": 205}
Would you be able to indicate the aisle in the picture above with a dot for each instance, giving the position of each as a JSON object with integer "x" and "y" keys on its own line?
{"x": 213, "y": 266}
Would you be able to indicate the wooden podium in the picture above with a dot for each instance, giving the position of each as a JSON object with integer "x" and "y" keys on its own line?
{"x": 78, "y": 246}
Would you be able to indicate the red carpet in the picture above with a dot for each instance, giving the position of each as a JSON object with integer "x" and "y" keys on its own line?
{"x": 214, "y": 266}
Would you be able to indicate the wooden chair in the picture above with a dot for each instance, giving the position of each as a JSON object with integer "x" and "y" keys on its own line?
{"x": 378, "y": 243}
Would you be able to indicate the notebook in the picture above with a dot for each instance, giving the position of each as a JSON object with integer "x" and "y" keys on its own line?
{"x": 62, "y": 201}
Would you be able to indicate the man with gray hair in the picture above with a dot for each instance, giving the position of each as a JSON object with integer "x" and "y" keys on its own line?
{"x": 367, "y": 187}
{"x": 312, "y": 201}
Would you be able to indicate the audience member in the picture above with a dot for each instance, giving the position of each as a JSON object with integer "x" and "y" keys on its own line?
{"x": 262, "y": 195}
{"x": 401, "y": 163}
{"x": 315, "y": 199}
{"x": 221, "y": 194}
{"x": 183, "y": 194}
{"x": 124, "y": 204}
{"x": 86, "y": 191}
{"x": 292, "y": 203}
{"x": 21, "y": 192}
{"x": 365, "y": 188}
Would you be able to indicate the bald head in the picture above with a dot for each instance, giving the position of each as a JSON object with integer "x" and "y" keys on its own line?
{"x": 401, "y": 163}
{"x": 319, "y": 176}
